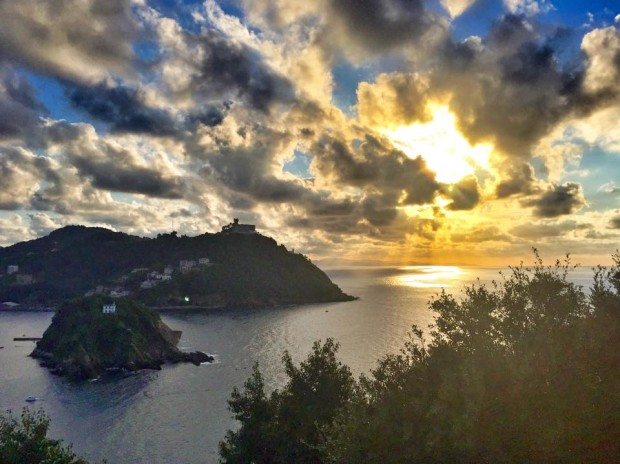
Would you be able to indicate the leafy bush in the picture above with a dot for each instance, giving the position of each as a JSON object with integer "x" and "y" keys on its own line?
{"x": 523, "y": 370}
{"x": 24, "y": 440}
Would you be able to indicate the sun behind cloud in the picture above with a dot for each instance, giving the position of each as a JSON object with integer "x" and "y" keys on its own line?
{"x": 446, "y": 151}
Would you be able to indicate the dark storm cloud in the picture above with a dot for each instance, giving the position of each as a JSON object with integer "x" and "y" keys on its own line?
{"x": 110, "y": 176}
{"x": 380, "y": 210}
{"x": 123, "y": 107}
{"x": 614, "y": 222}
{"x": 376, "y": 166}
{"x": 116, "y": 169}
{"x": 379, "y": 25}
{"x": 230, "y": 70}
{"x": 126, "y": 110}
{"x": 20, "y": 109}
{"x": 519, "y": 180}
{"x": 558, "y": 200}
{"x": 465, "y": 194}
{"x": 57, "y": 37}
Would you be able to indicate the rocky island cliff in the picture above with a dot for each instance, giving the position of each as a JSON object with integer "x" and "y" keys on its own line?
{"x": 210, "y": 270}
{"x": 90, "y": 336}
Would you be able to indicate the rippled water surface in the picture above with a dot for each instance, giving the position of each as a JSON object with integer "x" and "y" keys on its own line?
{"x": 179, "y": 414}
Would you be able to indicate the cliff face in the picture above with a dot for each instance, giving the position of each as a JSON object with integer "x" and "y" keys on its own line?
{"x": 82, "y": 342}
{"x": 244, "y": 270}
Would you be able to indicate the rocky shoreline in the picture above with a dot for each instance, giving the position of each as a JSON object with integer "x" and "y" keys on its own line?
{"x": 85, "y": 368}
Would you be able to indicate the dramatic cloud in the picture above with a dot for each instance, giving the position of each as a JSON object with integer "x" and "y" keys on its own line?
{"x": 558, "y": 200}
{"x": 371, "y": 127}
{"x": 211, "y": 67}
{"x": 465, "y": 194}
{"x": 377, "y": 26}
{"x": 78, "y": 39}
{"x": 19, "y": 107}
{"x": 127, "y": 110}
{"x": 393, "y": 99}
{"x": 124, "y": 108}
{"x": 519, "y": 180}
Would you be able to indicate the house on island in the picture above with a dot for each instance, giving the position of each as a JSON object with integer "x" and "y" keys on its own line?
{"x": 236, "y": 228}
{"x": 109, "y": 308}
{"x": 204, "y": 261}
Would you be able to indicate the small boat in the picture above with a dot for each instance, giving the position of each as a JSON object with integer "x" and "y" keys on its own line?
{"x": 31, "y": 399}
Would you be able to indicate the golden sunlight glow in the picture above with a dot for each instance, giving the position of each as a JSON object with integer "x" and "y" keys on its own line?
{"x": 446, "y": 151}
{"x": 429, "y": 276}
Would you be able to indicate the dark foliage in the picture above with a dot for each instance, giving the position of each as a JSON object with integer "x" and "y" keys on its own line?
{"x": 524, "y": 370}
{"x": 24, "y": 440}
{"x": 287, "y": 426}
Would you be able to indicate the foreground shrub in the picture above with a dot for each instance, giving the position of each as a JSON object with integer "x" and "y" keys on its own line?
{"x": 23, "y": 440}
{"x": 524, "y": 370}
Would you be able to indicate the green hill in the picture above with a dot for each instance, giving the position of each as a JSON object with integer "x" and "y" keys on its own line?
{"x": 82, "y": 342}
{"x": 243, "y": 270}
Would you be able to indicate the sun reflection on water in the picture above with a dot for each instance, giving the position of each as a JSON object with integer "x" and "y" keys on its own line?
{"x": 429, "y": 276}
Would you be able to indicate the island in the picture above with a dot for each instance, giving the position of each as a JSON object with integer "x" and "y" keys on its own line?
{"x": 236, "y": 267}
{"x": 91, "y": 336}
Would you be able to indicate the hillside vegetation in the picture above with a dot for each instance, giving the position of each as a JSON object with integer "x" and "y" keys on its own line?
{"x": 245, "y": 270}
{"x": 82, "y": 342}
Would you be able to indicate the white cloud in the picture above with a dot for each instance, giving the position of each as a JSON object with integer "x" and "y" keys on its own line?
{"x": 528, "y": 7}
{"x": 457, "y": 7}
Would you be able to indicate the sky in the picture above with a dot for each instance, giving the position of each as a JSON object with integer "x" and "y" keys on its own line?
{"x": 355, "y": 131}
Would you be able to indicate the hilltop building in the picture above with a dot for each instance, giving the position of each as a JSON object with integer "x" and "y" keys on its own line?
{"x": 109, "y": 308}
{"x": 204, "y": 261}
{"x": 236, "y": 228}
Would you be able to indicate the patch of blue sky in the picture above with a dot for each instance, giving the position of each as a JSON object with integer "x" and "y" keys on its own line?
{"x": 477, "y": 20}
{"x": 597, "y": 171}
{"x": 51, "y": 93}
{"x": 299, "y": 165}
{"x": 346, "y": 79}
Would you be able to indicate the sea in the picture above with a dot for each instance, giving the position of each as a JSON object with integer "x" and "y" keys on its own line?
{"x": 178, "y": 415}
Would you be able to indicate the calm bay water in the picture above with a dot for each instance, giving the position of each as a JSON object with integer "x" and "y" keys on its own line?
{"x": 179, "y": 414}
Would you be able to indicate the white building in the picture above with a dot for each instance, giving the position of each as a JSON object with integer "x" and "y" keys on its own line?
{"x": 168, "y": 270}
{"x": 148, "y": 284}
{"x": 187, "y": 265}
{"x": 119, "y": 292}
{"x": 109, "y": 308}
{"x": 12, "y": 269}
{"x": 204, "y": 261}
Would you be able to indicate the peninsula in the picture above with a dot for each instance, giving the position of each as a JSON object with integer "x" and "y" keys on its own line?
{"x": 236, "y": 267}
{"x": 90, "y": 336}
